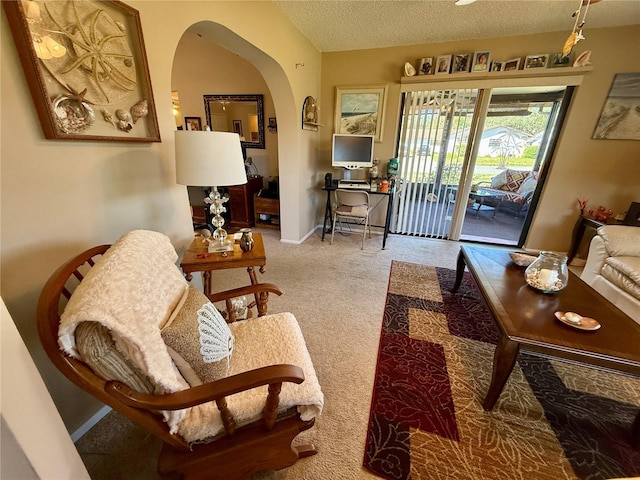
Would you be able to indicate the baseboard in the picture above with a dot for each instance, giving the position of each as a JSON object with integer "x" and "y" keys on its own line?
{"x": 88, "y": 425}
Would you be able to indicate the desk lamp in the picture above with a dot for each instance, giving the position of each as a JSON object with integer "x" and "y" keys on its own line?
{"x": 211, "y": 159}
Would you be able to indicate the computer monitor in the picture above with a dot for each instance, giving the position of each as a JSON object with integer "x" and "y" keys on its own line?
{"x": 352, "y": 151}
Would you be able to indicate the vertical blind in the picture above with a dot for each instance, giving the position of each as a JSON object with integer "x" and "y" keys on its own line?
{"x": 434, "y": 132}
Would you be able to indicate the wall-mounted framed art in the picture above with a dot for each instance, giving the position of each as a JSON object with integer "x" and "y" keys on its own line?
{"x": 193, "y": 123}
{"x": 621, "y": 111}
{"x": 86, "y": 67}
{"x": 360, "y": 110}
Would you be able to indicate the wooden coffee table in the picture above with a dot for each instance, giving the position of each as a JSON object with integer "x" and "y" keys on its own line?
{"x": 525, "y": 319}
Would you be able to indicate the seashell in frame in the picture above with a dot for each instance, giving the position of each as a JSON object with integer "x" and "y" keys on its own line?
{"x": 72, "y": 114}
{"x": 139, "y": 110}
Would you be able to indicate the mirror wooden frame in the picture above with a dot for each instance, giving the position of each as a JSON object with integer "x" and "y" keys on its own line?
{"x": 258, "y": 99}
{"x": 73, "y": 97}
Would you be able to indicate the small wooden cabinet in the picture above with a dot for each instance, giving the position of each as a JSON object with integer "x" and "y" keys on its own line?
{"x": 241, "y": 202}
{"x": 270, "y": 209}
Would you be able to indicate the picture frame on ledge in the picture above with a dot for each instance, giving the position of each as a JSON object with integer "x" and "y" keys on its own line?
{"x": 87, "y": 70}
{"x": 557, "y": 60}
{"x": 461, "y": 63}
{"x": 360, "y": 110}
{"x": 426, "y": 66}
{"x": 481, "y": 61}
{"x": 513, "y": 64}
{"x": 443, "y": 65}
{"x": 536, "y": 61}
{"x": 497, "y": 66}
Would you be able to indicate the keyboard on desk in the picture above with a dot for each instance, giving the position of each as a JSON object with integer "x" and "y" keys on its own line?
{"x": 353, "y": 184}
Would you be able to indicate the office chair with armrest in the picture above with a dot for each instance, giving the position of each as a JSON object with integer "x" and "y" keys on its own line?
{"x": 352, "y": 205}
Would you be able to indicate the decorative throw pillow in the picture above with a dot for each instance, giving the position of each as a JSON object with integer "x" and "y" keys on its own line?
{"x": 97, "y": 349}
{"x": 200, "y": 335}
{"x": 529, "y": 185}
{"x": 514, "y": 179}
{"x": 499, "y": 180}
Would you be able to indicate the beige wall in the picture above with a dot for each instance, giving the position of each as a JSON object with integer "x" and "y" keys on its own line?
{"x": 606, "y": 171}
{"x": 60, "y": 197}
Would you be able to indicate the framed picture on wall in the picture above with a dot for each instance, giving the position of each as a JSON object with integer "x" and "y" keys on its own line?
{"x": 360, "y": 110}
{"x": 86, "y": 68}
{"x": 193, "y": 123}
{"x": 618, "y": 116}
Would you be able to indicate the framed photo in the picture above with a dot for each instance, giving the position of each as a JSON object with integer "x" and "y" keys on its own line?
{"x": 481, "y": 61}
{"x": 497, "y": 66}
{"x": 443, "y": 65}
{"x": 237, "y": 127}
{"x": 360, "y": 110}
{"x": 513, "y": 64}
{"x": 558, "y": 60}
{"x": 86, "y": 68}
{"x": 536, "y": 61}
{"x": 461, "y": 63}
{"x": 426, "y": 66}
{"x": 193, "y": 123}
{"x": 272, "y": 125}
{"x": 617, "y": 119}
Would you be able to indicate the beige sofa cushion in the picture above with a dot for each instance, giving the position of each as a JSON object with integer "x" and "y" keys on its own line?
{"x": 623, "y": 272}
{"x": 621, "y": 240}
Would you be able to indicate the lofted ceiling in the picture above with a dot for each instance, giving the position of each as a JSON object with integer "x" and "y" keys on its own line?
{"x": 339, "y": 25}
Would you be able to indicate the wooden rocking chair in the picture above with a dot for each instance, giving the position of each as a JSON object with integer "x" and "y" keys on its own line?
{"x": 263, "y": 445}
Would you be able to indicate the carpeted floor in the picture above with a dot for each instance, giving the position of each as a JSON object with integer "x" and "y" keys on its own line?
{"x": 552, "y": 420}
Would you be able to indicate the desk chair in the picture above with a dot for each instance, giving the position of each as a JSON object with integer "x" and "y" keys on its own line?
{"x": 352, "y": 205}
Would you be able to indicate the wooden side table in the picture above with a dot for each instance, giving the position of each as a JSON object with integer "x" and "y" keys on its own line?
{"x": 584, "y": 226}
{"x": 197, "y": 259}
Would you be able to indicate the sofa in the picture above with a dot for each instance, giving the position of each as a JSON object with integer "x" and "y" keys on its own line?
{"x": 613, "y": 267}
{"x": 515, "y": 187}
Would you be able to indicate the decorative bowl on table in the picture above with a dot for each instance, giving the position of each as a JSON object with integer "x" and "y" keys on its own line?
{"x": 548, "y": 273}
{"x": 522, "y": 259}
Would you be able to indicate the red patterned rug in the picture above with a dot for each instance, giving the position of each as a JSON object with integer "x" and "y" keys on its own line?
{"x": 553, "y": 420}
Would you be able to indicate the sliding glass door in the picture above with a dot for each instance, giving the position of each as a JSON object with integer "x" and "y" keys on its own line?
{"x": 470, "y": 160}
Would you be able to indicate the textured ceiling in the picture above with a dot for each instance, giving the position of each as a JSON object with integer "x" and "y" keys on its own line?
{"x": 360, "y": 24}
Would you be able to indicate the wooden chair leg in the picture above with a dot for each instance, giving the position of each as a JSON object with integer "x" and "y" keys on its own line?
{"x": 333, "y": 230}
{"x": 306, "y": 450}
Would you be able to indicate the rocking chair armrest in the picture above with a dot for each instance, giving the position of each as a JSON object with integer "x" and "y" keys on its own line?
{"x": 246, "y": 290}
{"x": 272, "y": 374}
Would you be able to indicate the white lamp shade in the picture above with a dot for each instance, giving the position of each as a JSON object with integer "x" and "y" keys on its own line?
{"x": 208, "y": 159}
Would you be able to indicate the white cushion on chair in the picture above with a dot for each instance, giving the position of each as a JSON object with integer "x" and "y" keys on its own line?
{"x": 260, "y": 342}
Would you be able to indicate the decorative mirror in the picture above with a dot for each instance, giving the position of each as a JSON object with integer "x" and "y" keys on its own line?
{"x": 242, "y": 114}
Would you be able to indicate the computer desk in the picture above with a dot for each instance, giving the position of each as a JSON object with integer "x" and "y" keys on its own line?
{"x": 328, "y": 217}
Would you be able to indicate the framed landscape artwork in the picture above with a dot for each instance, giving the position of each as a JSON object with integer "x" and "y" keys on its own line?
{"x": 86, "y": 68}
{"x": 620, "y": 117}
{"x": 360, "y": 110}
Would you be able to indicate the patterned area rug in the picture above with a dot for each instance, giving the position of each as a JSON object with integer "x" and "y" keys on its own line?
{"x": 553, "y": 420}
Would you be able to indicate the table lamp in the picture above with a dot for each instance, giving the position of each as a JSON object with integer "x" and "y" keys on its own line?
{"x": 211, "y": 159}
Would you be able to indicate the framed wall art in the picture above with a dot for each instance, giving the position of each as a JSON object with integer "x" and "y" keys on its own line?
{"x": 360, "y": 110}
{"x": 86, "y": 67}
{"x": 193, "y": 123}
{"x": 237, "y": 127}
{"x": 619, "y": 119}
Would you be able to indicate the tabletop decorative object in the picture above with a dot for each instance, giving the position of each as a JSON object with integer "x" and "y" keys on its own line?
{"x": 548, "y": 273}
